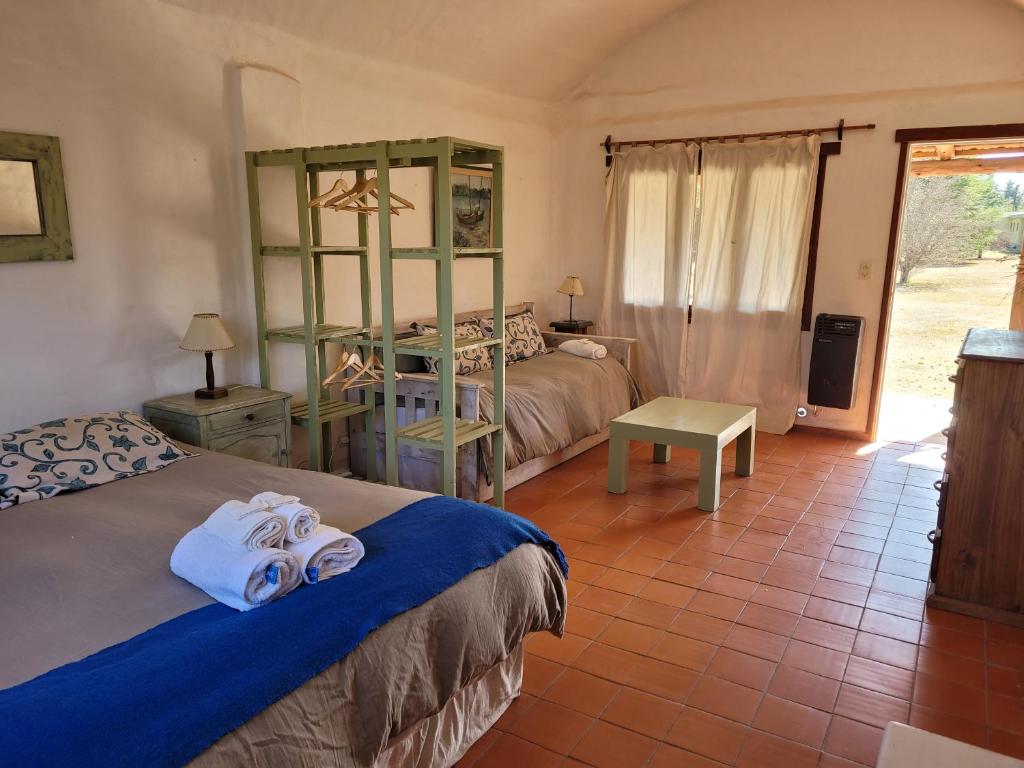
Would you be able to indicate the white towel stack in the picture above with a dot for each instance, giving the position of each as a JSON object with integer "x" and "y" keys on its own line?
{"x": 584, "y": 348}
{"x": 247, "y": 554}
{"x": 300, "y": 520}
{"x": 328, "y": 552}
{"x": 240, "y": 578}
{"x": 249, "y": 526}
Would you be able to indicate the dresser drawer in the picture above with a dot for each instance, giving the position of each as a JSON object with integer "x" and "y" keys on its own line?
{"x": 228, "y": 421}
{"x": 268, "y": 443}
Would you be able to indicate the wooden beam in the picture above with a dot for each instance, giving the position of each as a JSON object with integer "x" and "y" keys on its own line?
{"x": 980, "y": 165}
{"x": 961, "y": 133}
{"x": 1002, "y": 148}
{"x": 929, "y": 151}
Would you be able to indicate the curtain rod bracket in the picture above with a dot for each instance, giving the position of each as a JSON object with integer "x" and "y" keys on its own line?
{"x": 839, "y": 128}
{"x": 608, "y": 151}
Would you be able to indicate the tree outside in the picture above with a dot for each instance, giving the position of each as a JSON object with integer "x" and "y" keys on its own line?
{"x": 1014, "y": 194}
{"x": 950, "y": 219}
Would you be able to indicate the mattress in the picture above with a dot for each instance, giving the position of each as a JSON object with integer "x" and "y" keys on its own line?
{"x": 544, "y": 409}
{"x": 85, "y": 570}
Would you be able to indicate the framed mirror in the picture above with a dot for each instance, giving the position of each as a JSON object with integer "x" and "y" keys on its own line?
{"x": 33, "y": 208}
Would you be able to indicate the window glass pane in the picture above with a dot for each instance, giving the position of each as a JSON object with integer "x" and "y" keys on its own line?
{"x": 19, "y": 202}
{"x": 643, "y": 278}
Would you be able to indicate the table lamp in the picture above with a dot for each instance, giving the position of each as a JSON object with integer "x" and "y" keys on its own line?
{"x": 571, "y": 286}
{"x": 207, "y": 333}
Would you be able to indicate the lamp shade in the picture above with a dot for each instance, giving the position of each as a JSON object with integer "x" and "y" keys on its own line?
{"x": 571, "y": 286}
{"x": 206, "y": 333}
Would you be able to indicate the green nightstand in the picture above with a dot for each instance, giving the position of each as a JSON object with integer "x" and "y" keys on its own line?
{"x": 250, "y": 422}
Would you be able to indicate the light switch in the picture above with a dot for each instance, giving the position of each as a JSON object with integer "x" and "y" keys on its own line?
{"x": 865, "y": 271}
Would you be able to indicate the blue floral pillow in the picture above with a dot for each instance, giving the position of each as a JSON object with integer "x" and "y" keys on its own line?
{"x": 467, "y": 361}
{"x": 523, "y": 338}
{"x": 73, "y": 454}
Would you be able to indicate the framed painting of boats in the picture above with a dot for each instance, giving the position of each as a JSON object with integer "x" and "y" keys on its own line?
{"x": 471, "y": 208}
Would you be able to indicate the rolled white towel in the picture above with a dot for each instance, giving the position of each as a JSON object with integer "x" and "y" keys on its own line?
{"x": 237, "y": 577}
{"x": 246, "y": 525}
{"x": 584, "y": 348}
{"x": 328, "y": 552}
{"x": 301, "y": 520}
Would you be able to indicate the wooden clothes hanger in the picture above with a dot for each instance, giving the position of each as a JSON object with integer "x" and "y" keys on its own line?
{"x": 352, "y": 196}
{"x": 343, "y": 198}
{"x": 366, "y": 373}
{"x": 339, "y": 188}
{"x": 403, "y": 204}
{"x": 363, "y": 375}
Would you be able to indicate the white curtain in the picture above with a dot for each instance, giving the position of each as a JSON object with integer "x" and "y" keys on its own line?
{"x": 744, "y": 341}
{"x": 649, "y": 218}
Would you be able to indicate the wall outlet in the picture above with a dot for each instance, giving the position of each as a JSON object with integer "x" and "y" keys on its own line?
{"x": 864, "y": 272}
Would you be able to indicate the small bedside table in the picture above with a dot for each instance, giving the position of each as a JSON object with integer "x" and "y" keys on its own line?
{"x": 250, "y": 422}
{"x": 571, "y": 326}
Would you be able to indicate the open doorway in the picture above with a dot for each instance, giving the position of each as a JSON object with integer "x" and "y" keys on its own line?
{"x": 957, "y": 265}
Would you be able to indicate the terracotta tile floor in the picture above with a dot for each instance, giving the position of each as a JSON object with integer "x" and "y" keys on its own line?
{"x": 786, "y": 629}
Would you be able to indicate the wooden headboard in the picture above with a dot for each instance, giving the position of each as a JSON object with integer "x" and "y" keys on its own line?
{"x": 510, "y": 309}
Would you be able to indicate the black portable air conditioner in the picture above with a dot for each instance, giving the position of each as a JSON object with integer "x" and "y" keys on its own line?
{"x": 835, "y": 358}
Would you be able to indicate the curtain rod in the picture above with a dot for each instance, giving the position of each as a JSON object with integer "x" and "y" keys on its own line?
{"x": 839, "y": 129}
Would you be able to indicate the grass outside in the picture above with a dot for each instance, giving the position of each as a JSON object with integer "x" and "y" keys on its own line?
{"x": 932, "y": 315}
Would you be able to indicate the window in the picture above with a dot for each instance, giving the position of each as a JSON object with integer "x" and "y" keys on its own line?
{"x": 827, "y": 150}
{"x": 647, "y": 280}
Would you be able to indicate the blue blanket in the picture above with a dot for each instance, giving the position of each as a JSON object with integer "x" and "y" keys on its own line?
{"x": 162, "y": 697}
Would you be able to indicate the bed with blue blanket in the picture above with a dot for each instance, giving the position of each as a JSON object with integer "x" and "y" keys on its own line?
{"x": 107, "y": 658}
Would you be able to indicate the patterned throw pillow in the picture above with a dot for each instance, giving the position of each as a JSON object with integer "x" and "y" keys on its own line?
{"x": 523, "y": 338}
{"x": 73, "y": 454}
{"x": 467, "y": 361}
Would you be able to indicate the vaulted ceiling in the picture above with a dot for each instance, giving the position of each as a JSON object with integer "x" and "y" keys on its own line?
{"x": 538, "y": 49}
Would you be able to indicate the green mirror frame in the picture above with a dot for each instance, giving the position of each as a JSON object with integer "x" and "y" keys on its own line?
{"x": 54, "y": 243}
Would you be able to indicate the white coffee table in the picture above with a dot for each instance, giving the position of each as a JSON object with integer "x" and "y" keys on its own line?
{"x": 668, "y": 421}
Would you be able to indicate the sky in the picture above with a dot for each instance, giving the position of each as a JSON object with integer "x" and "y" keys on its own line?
{"x": 1002, "y": 178}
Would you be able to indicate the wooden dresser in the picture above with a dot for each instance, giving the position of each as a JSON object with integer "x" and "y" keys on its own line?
{"x": 978, "y": 560}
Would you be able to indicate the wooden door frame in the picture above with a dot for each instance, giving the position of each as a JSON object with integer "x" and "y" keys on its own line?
{"x": 905, "y": 137}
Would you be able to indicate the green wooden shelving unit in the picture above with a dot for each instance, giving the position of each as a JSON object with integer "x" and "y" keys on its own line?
{"x": 319, "y": 411}
{"x": 445, "y": 431}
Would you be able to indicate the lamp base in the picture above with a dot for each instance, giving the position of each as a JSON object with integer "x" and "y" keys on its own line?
{"x": 208, "y": 393}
